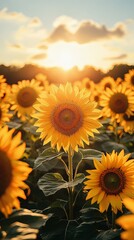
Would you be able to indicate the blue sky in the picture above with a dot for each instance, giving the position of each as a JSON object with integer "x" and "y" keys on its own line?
{"x": 67, "y": 33}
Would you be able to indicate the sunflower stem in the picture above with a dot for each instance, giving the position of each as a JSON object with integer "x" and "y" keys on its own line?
{"x": 113, "y": 219}
{"x": 70, "y": 178}
{"x": 77, "y": 167}
{"x": 115, "y": 131}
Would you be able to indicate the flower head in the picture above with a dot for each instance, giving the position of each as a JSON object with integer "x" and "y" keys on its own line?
{"x": 66, "y": 117}
{"x": 3, "y": 86}
{"x": 24, "y": 95}
{"x": 127, "y": 221}
{"x": 107, "y": 82}
{"x": 13, "y": 172}
{"x": 129, "y": 78}
{"x": 111, "y": 181}
{"x": 4, "y": 113}
{"x": 117, "y": 101}
{"x": 128, "y": 123}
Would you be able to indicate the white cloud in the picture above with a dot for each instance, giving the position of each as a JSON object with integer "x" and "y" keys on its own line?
{"x": 70, "y": 30}
{"x": 6, "y": 15}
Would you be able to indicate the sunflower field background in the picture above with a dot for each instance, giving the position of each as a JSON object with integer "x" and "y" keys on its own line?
{"x": 67, "y": 159}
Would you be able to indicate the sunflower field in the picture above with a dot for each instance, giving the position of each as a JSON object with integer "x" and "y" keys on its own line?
{"x": 67, "y": 159}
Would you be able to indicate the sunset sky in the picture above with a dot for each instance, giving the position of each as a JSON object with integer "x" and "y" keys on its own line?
{"x": 66, "y": 33}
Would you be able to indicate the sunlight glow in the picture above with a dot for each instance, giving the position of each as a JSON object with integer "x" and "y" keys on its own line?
{"x": 68, "y": 55}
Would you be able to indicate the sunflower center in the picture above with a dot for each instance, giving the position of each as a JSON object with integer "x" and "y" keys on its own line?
{"x": 88, "y": 85}
{"x": 107, "y": 85}
{"x": 67, "y": 118}
{"x": 26, "y": 97}
{"x": 5, "y": 172}
{"x": 96, "y": 98}
{"x": 112, "y": 181}
{"x": 127, "y": 118}
{"x": 118, "y": 103}
{"x": 132, "y": 80}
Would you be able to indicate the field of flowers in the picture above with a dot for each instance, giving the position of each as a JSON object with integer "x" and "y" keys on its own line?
{"x": 67, "y": 159}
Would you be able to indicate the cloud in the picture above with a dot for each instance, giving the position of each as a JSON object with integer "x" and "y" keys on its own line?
{"x": 121, "y": 56}
{"x": 35, "y": 22}
{"x": 16, "y": 46}
{"x": 84, "y": 31}
{"x": 39, "y": 56}
{"x": 6, "y": 15}
{"x": 42, "y": 47}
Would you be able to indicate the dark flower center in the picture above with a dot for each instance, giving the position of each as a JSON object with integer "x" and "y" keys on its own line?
{"x": 96, "y": 98}
{"x": 67, "y": 118}
{"x": 5, "y": 172}
{"x": 112, "y": 181}
{"x": 107, "y": 85}
{"x": 88, "y": 85}
{"x": 26, "y": 97}
{"x": 118, "y": 103}
{"x": 132, "y": 80}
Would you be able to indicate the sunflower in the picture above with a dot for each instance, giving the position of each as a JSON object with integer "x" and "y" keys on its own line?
{"x": 13, "y": 172}
{"x": 88, "y": 84}
{"x": 42, "y": 79}
{"x": 129, "y": 78}
{"x": 128, "y": 123}
{"x": 3, "y": 86}
{"x": 95, "y": 94}
{"x": 77, "y": 83}
{"x": 66, "y": 117}
{"x": 127, "y": 221}
{"x": 4, "y": 113}
{"x": 23, "y": 96}
{"x": 117, "y": 101}
{"x": 107, "y": 82}
{"x": 111, "y": 181}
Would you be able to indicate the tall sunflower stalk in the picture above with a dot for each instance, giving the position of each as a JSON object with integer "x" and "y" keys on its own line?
{"x": 66, "y": 117}
{"x": 70, "y": 178}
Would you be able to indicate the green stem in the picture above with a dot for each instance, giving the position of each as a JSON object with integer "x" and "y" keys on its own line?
{"x": 66, "y": 168}
{"x": 77, "y": 167}
{"x": 115, "y": 131}
{"x": 70, "y": 178}
{"x": 113, "y": 219}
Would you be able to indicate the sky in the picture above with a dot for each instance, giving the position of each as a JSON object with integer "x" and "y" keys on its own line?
{"x": 67, "y": 33}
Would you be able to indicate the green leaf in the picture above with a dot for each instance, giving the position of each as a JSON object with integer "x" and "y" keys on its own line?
{"x": 109, "y": 234}
{"x": 54, "y": 229}
{"x": 14, "y": 125}
{"x": 44, "y": 163}
{"x": 20, "y": 231}
{"x": 50, "y": 183}
{"x": 70, "y": 230}
{"x": 91, "y": 214}
{"x": 31, "y": 129}
{"x": 90, "y": 154}
{"x": 78, "y": 179}
{"x": 127, "y": 138}
{"x": 34, "y": 220}
{"x": 59, "y": 203}
{"x": 86, "y": 231}
{"x": 110, "y": 146}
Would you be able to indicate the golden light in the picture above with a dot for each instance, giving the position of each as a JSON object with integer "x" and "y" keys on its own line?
{"x": 65, "y": 60}
{"x": 63, "y": 55}
{"x": 68, "y": 55}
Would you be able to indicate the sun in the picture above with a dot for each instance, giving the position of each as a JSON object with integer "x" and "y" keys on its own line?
{"x": 65, "y": 60}
{"x": 63, "y": 55}
{"x": 67, "y": 55}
